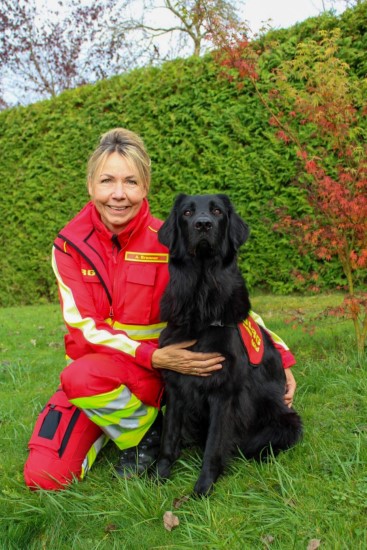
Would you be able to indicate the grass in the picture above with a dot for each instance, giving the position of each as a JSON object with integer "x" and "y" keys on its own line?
{"x": 316, "y": 491}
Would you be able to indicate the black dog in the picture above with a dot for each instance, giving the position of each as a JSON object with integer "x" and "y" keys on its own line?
{"x": 240, "y": 406}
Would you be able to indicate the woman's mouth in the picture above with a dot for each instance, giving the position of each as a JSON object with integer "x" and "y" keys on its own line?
{"x": 117, "y": 208}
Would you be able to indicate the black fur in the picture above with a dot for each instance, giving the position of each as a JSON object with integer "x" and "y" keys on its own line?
{"x": 239, "y": 406}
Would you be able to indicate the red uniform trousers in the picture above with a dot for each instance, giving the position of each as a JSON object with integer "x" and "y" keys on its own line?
{"x": 65, "y": 442}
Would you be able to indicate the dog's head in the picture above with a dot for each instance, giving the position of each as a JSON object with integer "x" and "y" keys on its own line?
{"x": 203, "y": 226}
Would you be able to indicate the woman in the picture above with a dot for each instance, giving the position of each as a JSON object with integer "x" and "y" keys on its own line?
{"x": 111, "y": 272}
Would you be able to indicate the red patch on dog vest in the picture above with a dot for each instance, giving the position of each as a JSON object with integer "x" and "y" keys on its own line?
{"x": 253, "y": 340}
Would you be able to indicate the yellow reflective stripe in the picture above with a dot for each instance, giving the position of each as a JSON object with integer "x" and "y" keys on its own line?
{"x": 274, "y": 336}
{"x": 131, "y": 438}
{"x": 120, "y": 414}
{"x": 87, "y": 325}
{"x": 102, "y": 400}
{"x": 92, "y": 454}
{"x": 141, "y": 332}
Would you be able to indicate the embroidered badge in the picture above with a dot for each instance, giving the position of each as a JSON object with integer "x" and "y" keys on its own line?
{"x": 252, "y": 339}
{"x": 157, "y": 258}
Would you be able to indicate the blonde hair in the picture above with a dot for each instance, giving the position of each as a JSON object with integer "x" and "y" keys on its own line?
{"x": 129, "y": 145}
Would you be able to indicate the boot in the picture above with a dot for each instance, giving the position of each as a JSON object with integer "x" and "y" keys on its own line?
{"x": 137, "y": 460}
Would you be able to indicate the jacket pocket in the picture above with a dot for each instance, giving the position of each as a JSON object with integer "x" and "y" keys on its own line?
{"x": 55, "y": 424}
{"x": 139, "y": 292}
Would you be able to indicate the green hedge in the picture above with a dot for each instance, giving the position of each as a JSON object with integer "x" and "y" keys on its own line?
{"x": 203, "y": 135}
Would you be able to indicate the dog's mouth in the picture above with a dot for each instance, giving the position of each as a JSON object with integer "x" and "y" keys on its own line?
{"x": 202, "y": 248}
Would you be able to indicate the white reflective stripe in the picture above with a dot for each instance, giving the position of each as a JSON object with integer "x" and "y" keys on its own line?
{"x": 87, "y": 325}
{"x": 141, "y": 332}
{"x": 274, "y": 336}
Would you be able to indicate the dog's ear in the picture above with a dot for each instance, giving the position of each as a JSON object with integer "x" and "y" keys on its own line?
{"x": 168, "y": 234}
{"x": 238, "y": 230}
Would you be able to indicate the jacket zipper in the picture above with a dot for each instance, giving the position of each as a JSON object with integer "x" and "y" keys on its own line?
{"x": 116, "y": 247}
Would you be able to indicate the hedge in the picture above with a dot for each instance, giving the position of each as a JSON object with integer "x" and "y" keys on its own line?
{"x": 203, "y": 134}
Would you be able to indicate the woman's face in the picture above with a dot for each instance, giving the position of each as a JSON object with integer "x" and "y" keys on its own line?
{"x": 117, "y": 192}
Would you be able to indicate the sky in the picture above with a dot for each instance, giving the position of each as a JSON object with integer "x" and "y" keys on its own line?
{"x": 257, "y": 13}
{"x": 284, "y": 13}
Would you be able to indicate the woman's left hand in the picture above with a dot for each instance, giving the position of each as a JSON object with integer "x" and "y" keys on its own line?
{"x": 290, "y": 387}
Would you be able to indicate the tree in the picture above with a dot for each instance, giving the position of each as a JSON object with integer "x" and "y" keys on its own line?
{"x": 188, "y": 22}
{"x": 316, "y": 105}
{"x": 44, "y": 50}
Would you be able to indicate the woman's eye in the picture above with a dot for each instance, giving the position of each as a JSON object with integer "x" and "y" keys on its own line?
{"x": 132, "y": 182}
{"x": 216, "y": 211}
{"x": 105, "y": 180}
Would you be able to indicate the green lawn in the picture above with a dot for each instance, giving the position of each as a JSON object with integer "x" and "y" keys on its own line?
{"x": 318, "y": 490}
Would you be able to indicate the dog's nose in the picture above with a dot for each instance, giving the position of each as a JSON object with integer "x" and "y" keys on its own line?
{"x": 203, "y": 224}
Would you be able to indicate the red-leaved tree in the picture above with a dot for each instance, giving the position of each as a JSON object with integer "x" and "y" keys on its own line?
{"x": 317, "y": 106}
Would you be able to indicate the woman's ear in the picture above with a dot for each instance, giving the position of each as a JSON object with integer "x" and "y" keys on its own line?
{"x": 90, "y": 187}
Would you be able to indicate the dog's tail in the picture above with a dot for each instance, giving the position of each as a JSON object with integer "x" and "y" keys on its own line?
{"x": 282, "y": 433}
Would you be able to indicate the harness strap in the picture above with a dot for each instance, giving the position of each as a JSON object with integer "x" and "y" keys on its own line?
{"x": 252, "y": 339}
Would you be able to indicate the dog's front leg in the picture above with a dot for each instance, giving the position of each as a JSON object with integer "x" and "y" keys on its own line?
{"x": 171, "y": 438}
{"x": 217, "y": 446}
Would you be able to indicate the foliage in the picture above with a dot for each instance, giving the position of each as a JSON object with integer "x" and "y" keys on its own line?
{"x": 331, "y": 106}
{"x": 316, "y": 105}
{"x": 203, "y": 134}
{"x": 195, "y": 144}
{"x": 280, "y": 503}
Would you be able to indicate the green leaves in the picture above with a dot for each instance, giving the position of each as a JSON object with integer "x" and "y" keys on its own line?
{"x": 203, "y": 135}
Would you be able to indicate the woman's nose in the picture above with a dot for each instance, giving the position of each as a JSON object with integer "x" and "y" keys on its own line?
{"x": 119, "y": 190}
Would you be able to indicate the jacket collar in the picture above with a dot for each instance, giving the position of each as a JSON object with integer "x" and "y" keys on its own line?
{"x": 138, "y": 222}
{"x": 86, "y": 231}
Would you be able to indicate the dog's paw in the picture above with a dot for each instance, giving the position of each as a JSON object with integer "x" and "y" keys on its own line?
{"x": 203, "y": 487}
{"x": 163, "y": 469}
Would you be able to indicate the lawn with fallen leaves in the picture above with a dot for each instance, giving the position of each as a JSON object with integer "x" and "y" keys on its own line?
{"x": 313, "y": 496}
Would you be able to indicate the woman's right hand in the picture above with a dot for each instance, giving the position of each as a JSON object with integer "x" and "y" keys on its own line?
{"x": 177, "y": 358}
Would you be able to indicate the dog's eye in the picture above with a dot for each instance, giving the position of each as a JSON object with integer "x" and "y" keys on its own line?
{"x": 216, "y": 211}
{"x": 187, "y": 213}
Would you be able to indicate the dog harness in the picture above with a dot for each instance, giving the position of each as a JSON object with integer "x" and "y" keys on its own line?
{"x": 252, "y": 340}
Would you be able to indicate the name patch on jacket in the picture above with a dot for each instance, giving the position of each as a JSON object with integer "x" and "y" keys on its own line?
{"x": 151, "y": 257}
{"x": 253, "y": 340}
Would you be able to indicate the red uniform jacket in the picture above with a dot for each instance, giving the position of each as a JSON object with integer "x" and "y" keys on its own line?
{"x": 110, "y": 288}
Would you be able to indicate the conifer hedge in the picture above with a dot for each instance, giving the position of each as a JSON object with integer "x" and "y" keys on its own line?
{"x": 203, "y": 134}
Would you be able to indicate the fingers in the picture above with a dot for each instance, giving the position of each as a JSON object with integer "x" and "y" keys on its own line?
{"x": 290, "y": 388}
{"x": 176, "y": 357}
{"x": 201, "y": 370}
{"x": 288, "y": 400}
{"x": 198, "y": 356}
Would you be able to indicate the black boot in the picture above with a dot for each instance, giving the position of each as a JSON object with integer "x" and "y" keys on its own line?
{"x": 137, "y": 460}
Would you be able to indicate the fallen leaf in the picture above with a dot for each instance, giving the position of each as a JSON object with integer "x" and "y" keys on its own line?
{"x": 54, "y": 345}
{"x": 267, "y": 539}
{"x": 313, "y": 544}
{"x": 110, "y": 528}
{"x": 177, "y": 502}
{"x": 170, "y": 521}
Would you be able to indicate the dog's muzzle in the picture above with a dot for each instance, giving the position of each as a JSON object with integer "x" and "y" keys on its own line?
{"x": 203, "y": 224}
